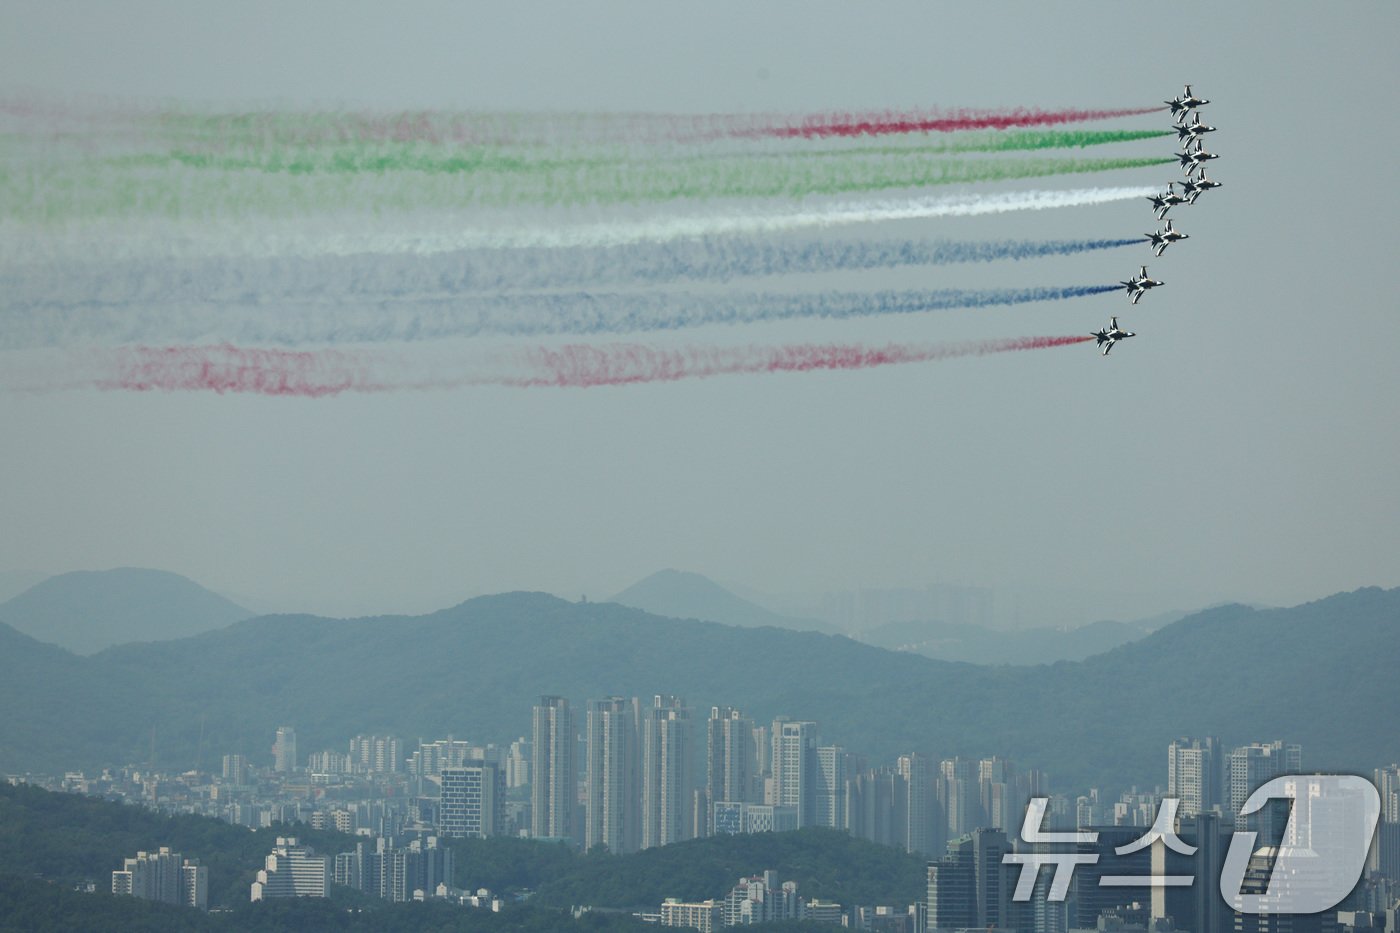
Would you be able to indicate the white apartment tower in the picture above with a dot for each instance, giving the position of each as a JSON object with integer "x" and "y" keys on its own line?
{"x": 829, "y": 792}
{"x": 1195, "y": 774}
{"x": 553, "y": 789}
{"x": 611, "y": 815}
{"x": 1252, "y": 765}
{"x": 794, "y": 766}
{"x": 667, "y": 762}
{"x": 731, "y": 773}
{"x": 284, "y": 750}
{"x": 163, "y": 876}
{"x": 292, "y": 870}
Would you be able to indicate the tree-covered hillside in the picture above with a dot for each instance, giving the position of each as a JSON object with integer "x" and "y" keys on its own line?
{"x": 825, "y": 863}
{"x": 475, "y": 670}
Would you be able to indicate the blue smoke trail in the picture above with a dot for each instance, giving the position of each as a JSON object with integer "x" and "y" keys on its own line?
{"x": 390, "y": 277}
{"x": 537, "y": 314}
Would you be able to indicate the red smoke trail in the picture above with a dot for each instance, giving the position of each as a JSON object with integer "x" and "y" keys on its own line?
{"x": 819, "y": 126}
{"x": 585, "y": 366}
{"x": 226, "y": 368}
{"x": 262, "y": 371}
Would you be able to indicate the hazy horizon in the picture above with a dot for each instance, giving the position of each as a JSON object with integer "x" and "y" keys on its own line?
{"x": 1008, "y": 607}
{"x": 1241, "y": 448}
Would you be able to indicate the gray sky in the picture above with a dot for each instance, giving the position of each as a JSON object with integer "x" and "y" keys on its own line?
{"x": 1244, "y": 446}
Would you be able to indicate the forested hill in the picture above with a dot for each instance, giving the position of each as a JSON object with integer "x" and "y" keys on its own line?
{"x": 86, "y": 611}
{"x": 1320, "y": 674}
{"x": 50, "y": 843}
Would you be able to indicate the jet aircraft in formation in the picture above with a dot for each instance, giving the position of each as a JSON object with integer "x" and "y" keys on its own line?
{"x": 1108, "y": 336}
{"x": 1185, "y": 103}
{"x": 1164, "y": 202}
{"x": 1194, "y": 189}
{"x": 1193, "y": 158}
{"x": 1191, "y": 132}
{"x": 1164, "y": 238}
{"x": 1138, "y": 285}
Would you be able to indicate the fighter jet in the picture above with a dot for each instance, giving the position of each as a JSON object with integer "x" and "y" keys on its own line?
{"x": 1188, "y": 133}
{"x": 1164, "y": 238}
{"x": 1108, "y": 336}
{"x": 1192, "y": 159}
{"x": 1162, "y": 203}
{"x": 1138, "y": 285}
{"x": 1186, "y": 102}
{"x": 1194, "y": 189}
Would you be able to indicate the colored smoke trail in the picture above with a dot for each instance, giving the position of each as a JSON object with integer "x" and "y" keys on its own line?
{"x": 520, "y": 162}
{"x": 429, "y": 233}
{"x": 821, "y": 126}
{"x": 230, "y": 369}
{"x": 589, "y": 314}
{"x": 525, "y": 315}
{"x": 582, "y": 366}
{"x": 67, "y": 195}
{"x": 441, "y": 127}
{"x": 228, "y": 282}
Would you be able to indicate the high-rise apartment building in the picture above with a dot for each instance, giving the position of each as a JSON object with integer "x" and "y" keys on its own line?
{"x": 1387, "y": 782}
{"x": 292, "y": 870}
{"x": 236, "y": 769}
{"x": 163, "y": 876}
{"x": 472, "y": 801}
{"x": 731, "y": 773}
{"x": 395, "y": 873}
{"x": 668, "y": 750}
{"x": 430, "y": 758}
{"x": 518, "y": 764}
{"x": 829, "y": 792}
{"x": 612, "y": 812}
{"x": 761, "y": 899}
{"x": 284, "y": 750}
{"x": 970, "y": 886}
{"x": 991, "y": 878}
{"x": 961, "y": 794}
{"x": 1385, "y": 851}
{"x": 920, "y": 823}
{"x": 794, "y": 768}
{"x": 194, "y": 884}
{"x": 1253, "y": 765}
{"x": 952, "y": 894}
{"x": 875, "y": 802}
{"x": 553, "y": 789}
{"x": 1195, "y": 774}
{"x": 376, "y": 754}
{"x": 1003, "y": 792}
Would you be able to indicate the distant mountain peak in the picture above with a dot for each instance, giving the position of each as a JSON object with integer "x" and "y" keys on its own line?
{"x": 88, "y": 610}
{"x": 683, "y": 594}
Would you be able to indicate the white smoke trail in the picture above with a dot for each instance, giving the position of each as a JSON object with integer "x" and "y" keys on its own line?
{"x": 354, "y": 234}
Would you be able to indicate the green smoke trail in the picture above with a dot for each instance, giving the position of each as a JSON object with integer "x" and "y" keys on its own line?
{"x": 244, "y": 154}
{"x": 310, "y": 129}
{"x": 454, "y": 159}
{"x": 69, "y": 193}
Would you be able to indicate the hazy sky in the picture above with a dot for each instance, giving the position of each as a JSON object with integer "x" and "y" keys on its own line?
{"x": 1244, "y": 446}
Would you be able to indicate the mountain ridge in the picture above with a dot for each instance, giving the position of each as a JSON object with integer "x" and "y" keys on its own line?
{"x": 682, "y": 594}
{"x": 86, "y": 611}
{"x": 475, "y": 669}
